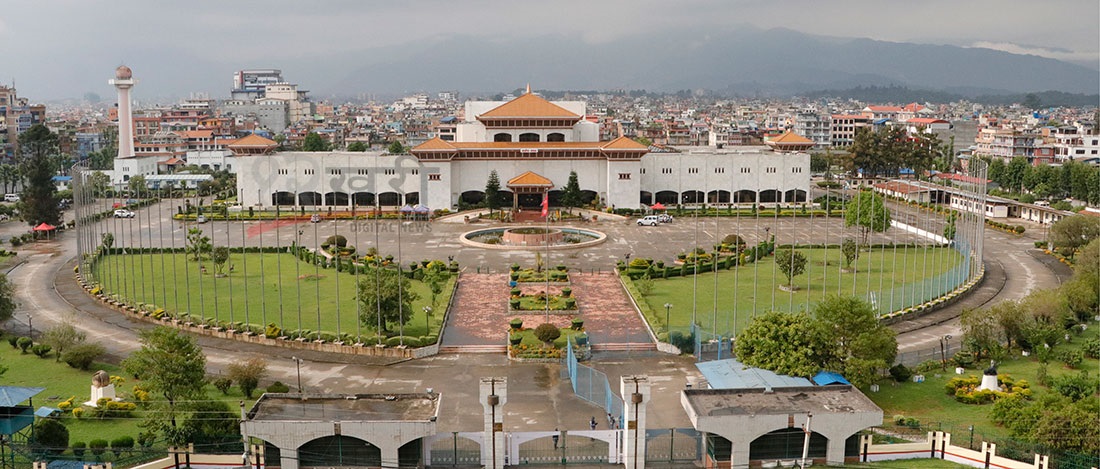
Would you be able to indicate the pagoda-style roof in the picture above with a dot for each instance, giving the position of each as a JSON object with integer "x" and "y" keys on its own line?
{"x": 253, "y": 140}
{"x": 529, "y": 105}
{"x": 625, "y": 143}
{"x": 530, "y": 179}
{"x": 252, "y": 144}
{"x": 790, "y": 141}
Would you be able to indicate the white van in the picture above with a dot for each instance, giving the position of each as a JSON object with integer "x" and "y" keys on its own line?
{"x": 11, "y": 197}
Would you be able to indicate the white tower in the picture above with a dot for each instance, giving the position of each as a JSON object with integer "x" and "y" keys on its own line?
{"x": 124, "y": 80}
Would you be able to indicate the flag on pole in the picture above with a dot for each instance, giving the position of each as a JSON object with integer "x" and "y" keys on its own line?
{"x": 545, "y": 204}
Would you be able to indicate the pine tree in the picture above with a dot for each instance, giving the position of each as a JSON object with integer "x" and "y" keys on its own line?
{"x": 492, "y": 192}
{"x": 571, "y": 195}
{"x": 38, "y": 147}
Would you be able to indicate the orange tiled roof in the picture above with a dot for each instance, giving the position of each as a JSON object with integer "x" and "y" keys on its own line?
{"x": 253, "y": 140}
{"x": 196, "y": 133}
{"x": 435, "y": 144}
{"x": 791, "y": 138}
{"x": 624, "y": 143}
{"x": 528, "y": 105}
{"x": 530, "y": 179}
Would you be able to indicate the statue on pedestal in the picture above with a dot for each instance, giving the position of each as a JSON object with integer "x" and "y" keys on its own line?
{"x": 101, "y": 388}
{"x": 989, "y": 378}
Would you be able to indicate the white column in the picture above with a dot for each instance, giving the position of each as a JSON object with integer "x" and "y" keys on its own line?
{"x": 288, "y": 458}
{"x": 494, "y": 394}
{"x": 636, "y": 392}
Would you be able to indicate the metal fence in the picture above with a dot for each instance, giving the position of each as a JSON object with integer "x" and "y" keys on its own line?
{"x": 591, "y": 384}
{"x": 673, "y": 445}
{"x": 916, "y": 357}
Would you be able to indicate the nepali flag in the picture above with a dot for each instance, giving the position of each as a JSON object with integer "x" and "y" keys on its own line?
{"x": 545, "y": 204}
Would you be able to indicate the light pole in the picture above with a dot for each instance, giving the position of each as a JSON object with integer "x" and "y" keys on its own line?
{"x": 298, "y": 368}
{"x": 668, "y": 326}
{"x": 30, "y": 325}
{"x": 943, "y": 351}
{"x": 427, "y": 320}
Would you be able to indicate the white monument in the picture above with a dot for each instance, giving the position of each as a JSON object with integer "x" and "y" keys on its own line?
{"x": 101, "y": 388}
{"x": 989, "y": 378}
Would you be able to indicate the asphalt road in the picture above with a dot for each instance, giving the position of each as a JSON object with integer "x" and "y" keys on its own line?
{"x": 539, "y": 398}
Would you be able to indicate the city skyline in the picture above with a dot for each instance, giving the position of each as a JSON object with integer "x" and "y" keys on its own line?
{"x": 193, "y": 47}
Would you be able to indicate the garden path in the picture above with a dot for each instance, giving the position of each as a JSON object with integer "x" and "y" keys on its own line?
{"x": 479, "y": 317}
{"x": 609, "y": 316}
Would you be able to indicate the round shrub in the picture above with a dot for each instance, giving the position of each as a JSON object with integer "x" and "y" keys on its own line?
{"x": 570, "y": 303}
{"x": 516, "y": 292}
{"x": 900, "y": 373}
{"x": 336, "y": 240}
{"x": 639, "y": 263}
{"x": 51, "y": 436}
{"x": 516, "y": 323}
{"x": 78, "y": 448}
{"x": 577, "y": 323}
{"x": 566, "y": 292}
{"x": 514, "y": 303}
{"x": 278, "y": 387}
{"x": 547, "y": 332}
{"x": 97, "y": 446}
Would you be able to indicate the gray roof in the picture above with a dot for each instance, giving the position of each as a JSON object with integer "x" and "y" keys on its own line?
{"x": 840, "y": 399}
{"x": 346, "y": 407}
{"x": 11, "y": 396}
{"x": 732, "y": 374}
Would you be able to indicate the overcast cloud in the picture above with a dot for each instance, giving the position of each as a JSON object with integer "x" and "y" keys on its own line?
{"x": 39, "y": 39}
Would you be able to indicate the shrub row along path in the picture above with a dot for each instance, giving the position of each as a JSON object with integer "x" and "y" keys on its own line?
{"x": 479, "y": 318}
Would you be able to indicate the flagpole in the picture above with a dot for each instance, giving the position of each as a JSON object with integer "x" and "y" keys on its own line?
{"x": 546, "y": 245}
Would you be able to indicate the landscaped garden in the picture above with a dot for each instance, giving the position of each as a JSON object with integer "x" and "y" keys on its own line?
{"x": 117, "y": 428}
{"x": 542, "y": 300}
{"x": 251, "y": 291}
{"x": 544, "y": 341}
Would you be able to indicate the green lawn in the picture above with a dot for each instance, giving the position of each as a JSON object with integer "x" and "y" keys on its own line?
{"x": 929, "y": 403}
{"x": 262, "y": 289}
{"x": 62, "y": 382}
{"x": 895, "y": 277}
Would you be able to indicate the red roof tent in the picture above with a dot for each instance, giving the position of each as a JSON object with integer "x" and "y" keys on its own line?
{"x": 657, "y": 206}
{"x": 45, "y": 227}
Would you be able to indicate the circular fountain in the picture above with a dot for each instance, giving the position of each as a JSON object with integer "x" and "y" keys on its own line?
{"x": 532, "y": 238}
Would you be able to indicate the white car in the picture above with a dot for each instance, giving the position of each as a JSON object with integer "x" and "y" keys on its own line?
{"x": 649, "y": 220}
{"x": 123, "y": 213}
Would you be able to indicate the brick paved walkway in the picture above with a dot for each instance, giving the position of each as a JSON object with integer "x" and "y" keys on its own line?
{"x": 480, "y": 313}
{"x": 609, "y": 316}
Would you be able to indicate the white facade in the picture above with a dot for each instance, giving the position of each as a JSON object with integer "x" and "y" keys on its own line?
{"x": 619, "y": 173}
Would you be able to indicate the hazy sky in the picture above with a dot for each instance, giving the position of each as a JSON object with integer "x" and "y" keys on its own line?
{"x": 40, "y": 37}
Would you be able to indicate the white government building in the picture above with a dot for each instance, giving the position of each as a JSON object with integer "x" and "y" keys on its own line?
{"x": 533, "y": 144}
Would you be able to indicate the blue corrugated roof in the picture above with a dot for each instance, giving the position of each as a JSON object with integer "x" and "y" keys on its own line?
{"x": 11, "y": 396}
{"x": 825, "y": 378}
{"x": 47, "y": 412}
{"x": 732, "y": 374}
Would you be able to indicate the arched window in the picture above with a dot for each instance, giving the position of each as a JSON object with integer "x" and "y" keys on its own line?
{"x": 502, "y": 137}
{"x": 529, "y": 137}
{"x": 555, "y": 137}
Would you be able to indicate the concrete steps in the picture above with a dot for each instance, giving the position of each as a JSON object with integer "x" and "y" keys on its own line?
{"x": 473, "y": 349}
{"x": 625, "y": 347}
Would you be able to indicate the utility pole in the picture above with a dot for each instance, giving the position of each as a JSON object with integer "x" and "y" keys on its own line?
{"x": 806, "y": 442}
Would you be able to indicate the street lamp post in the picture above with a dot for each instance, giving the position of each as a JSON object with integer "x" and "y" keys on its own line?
{"x": 427, "y": 320}
{"x": 943, "y": 351}
{"x": 298, "y": 368}
{"x": 30, "y": 325}
{"x": 668, "y": 306}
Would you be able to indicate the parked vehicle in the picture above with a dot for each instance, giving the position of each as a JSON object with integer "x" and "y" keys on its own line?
{"x": 11, "y": 197}
{"x": 664, "y": 218}
{"x": 649, "y": 220}
{"x": 123, "y": 213}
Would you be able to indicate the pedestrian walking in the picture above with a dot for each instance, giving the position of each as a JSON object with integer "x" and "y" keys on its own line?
{"x": 592, "y": 423}
{"x": 555, "y": 438}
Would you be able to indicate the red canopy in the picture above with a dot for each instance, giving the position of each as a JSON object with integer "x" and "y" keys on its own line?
{"x": 45, "y": 227}
{"x": 657, "y": 206}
